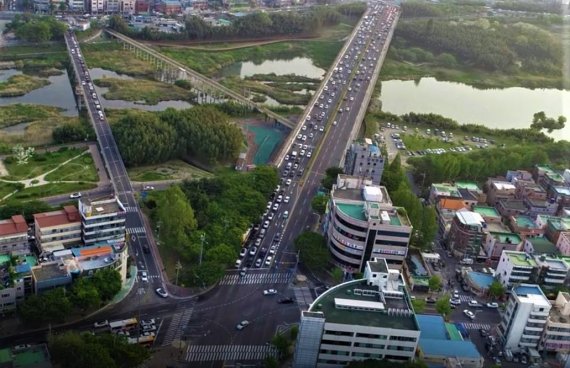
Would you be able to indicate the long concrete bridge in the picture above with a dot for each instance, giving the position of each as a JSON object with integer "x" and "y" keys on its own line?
{"x": 200, "y": 82}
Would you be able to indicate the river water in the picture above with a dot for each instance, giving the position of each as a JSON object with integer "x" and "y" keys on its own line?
{"x": 494, "y": 108}
{"x": 302, "y": 66}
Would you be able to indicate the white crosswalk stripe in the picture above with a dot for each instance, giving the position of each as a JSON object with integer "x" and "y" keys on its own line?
{"x": 135, "y": 230}
{"x": 476, "y": 326}
{"x": 205, "y": 353}
{"x": 257, "y": 278}
{"x": 465, "y": 298}
{"x": 131, "y": 209}
{"x": 177, "y": 324}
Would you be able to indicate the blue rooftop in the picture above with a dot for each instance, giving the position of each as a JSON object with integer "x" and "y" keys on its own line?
{"x": 431, "y": 327}
{"x": 528, "y": 290}
{"x": 435, "y": 342}
{"x": 483, "y": 280}
{"x": 374, "y": 149}
{"x": 23, "y": 268}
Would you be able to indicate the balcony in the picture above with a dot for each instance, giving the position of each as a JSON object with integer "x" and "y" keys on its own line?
{"x": 549, "y": 280}
{"x": 531, "y": 337}
{"x": 533, "y": 320}
{"x": 518, "y": 277}
{"x": 532, "y": 328}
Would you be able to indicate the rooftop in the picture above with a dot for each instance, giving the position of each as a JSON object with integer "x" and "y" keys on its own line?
{"x": 467, "y": 194}
{"x": 552, "y": 263}
{"x": 562, "y": 190}
{"x": 543, "y": 246}
{"x": 513, "y": 204}
{"x": 531, "y": 293}
{"x": 520, "y": 259}
{"x": 346, "y": 292}
{"x": 94, "y": 257}
{"x": 446, "y": 189}
{"x": 469, "y": 185}
{"x": 14, "y": 225}
{"x": 101, "y": 207}
{"x": 558, "y": 223}
{"x": 554, "y": 176}
{"x": 356, "y": 211}
{"x": 510, "y": 238}
{"x": 436, "y": 342}
{"x": 503, "y": 185}
{"x": 68, "y": 215}
{"x": 470, "y": 218}
{"x": 49, "y": 271}
{"x": 486, "y": 211}
{"x": 451, "y": 203}
{"x": 525, "y": 222}
{"x": 497, "y": 227}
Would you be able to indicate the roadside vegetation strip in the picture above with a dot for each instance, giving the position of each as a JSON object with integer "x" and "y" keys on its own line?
{"x": 169, "y": 170}
{"x": 147, "y": 92}
{"x": 19, "y": 85}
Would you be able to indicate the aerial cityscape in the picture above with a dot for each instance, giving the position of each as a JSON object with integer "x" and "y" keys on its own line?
{"x": 279, "y": 183}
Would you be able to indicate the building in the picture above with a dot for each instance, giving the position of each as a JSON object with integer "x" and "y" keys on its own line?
{"x": 511, "y": 207}
{"x": 371, "y": 318}
{"x": 14, "y": 236}
{"x": 525, "y": 226}
{"x": 57, "y": 229}
{"x": 518, "y": 175}
{"x": 524, "y": 318}
{"x": 362, "y": 223}
{"x": 498, "y": 190}
{"x": 142, "y": 6}
{"x": 96, "y": 6}
{"x": 470, "y": 192}
{"x": 446, "y": 209}
{"x": 560, "y": 195}
{"x": 489, "y": 214}
{"x": 515, "y": 268}
{"x": 535, "y": 207}
{"x": 111, "y": 6}
{"x": 553, "y": 226}
{"x": 443, "y": 190}
{"x": 102, "y": 220}
{"x": 168, "y": 7}
{"x": 466, "y": 234}
{"x": 42, "y": 6}
{"x": 563, "y": 244}
{"x": 552, "y": 272}
{"x": 363, "y": 159}
{"x": 529, "y": 190}
{"x": 77, "y": 5}
{"x": 556, "y": 335}
{"x": 50, "y": 275}
{"x": 127, "y": 6}
{"x": 441, "y": 344}
{"x": 15, "y": 281}
{"x": 540, "y": 246}
{"x": 105, "y": 255}
{"x": 495, "y": 243}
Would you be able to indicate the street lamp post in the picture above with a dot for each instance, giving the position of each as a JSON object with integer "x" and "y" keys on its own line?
{"x": 178, "y": 268}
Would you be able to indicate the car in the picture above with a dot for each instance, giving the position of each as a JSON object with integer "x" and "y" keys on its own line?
{"x": 524, "y": 360}
{"x": 265, "y": 224}
{"x": 144, "y": 276}
{"x": 430, "y": 300}
{"x": 148, "y": 322}
{"x": 243, "y": 252}
{"x": 269, "y": 292}
{"x": 321, "y": 128}
{"x": 334, "y": 122}
{"x": 75, "y": 195}
{"x": 492, "y": 305}
{"x": 455, "y": 294}
{"x": 243, "y": 324}
{"x": 279, "y": 198}
{"x": 300, "y": 136}
{"x": 277, "y": 237}
{"x": 469, "y": 314}
{"x": 286, "y": 157}
{"x": 286, "y": 199}
{"x": 288, "y": 182}
{"x": 455, "y": 301}
{"x": 268, "y": 261}
{"x": 304, "y": 127}
{"x": 304, "y": 138}
{"x": 272, "y": 249}
{"x": 286, "y": 214}
{"x": 252, "y": 251}
{"x": 161, "y": 292}
{"x": 258, "y": 262}
{"x": 270, "y": 216}
{"x": 474, "y": 303}
{"x": 21, "y": 347}
{"x": 309, "y": 154}
{"x": 104, "y": 323}
{"x": 148, "y": 187}
{"x": 286, "y": 300}
{"x": 275, "y": 206}
{"x": 238, "y": 263}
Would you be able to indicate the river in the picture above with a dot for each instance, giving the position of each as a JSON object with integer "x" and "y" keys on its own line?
{"x": 301, "y": 66}
{"x": 494, "y": 108}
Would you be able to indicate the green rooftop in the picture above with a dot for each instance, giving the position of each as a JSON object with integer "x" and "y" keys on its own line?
{"x": 525, "y": 222}
{"x": 555, "y": 176}
{"x": 453, "y": 332}
{"x": 520, "y": 259}
{"x": 4, "y": 258}
{"x": 558, "y": 223}
{"x": 356, "y": 211}
{"x": 325, "y": 304}
{"x": 543, "y": 246}
{"x": 467, "y": 185}
{"x": 505, "y": 237}
{"x": 486, "y": 211}
{"x": 447, "y": 188}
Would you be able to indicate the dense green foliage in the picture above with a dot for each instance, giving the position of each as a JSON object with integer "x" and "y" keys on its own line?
{"x": 530, "y": 6}
{"x": 319, "y": 203}
{"x": 312, "y": 248}
{"x": 213, "y": 213}
{"x": 36, "y": 28}
{"x": 540, "y": 121}
{"x": 479, "y": 165}
{"x": 496, "y": 290}
{"x": 435, "y": 283}
{"x": 253, "y": 25}
{"x": 72, "y": 349}
{"x": 331, "y": 175}
{"x": 202, "y": 132}
{"x": 56, "y": 305}
{"x": 491, "y": 46}
{"x": 442, "y": 305}
{"x": 26, "y": 209}
{"x": 412, "y": 9}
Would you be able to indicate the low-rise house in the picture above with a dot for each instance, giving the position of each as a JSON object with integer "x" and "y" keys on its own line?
{"x": 563, "y": 244}
{"x": 446, "y": 209}
{"x": 525, "y": 226}
{"x": 540, "y": 246}
{"x": 553, "y": 226}
{"x": 499, "y": 190}
{"x": 560, "y": 195}
{"x": 552, "y": 271}
{"x": 443, "y": 190}
{"x": 537, "y": 207}
{"x": 529, "y": 190}
{"x": 25, "y": 356}
{"x": 14, "y": 236}
{"x": 489, "y": 214}
{"x": 57, "y": 230}
{"x": 50, "y": 275}
{"x": 511, "y": 207}
{"x": 496, "y": 243}
{"x": 556, "y": 335}
{"x": 518, "y": 175}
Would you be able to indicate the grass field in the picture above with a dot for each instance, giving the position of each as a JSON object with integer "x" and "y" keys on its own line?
{"x": 111, "y": 56}
{"x": 39, "y": 164}
{"x": 146, "y": 91}
{"x": 19, "y": 85}
{"x": 170, "y": 170}
{"x": 51, "y": 190}
{"x": 80, "y": 169}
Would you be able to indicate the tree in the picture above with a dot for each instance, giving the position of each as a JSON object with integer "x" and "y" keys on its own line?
{"x": 442, "y": 306}
{"x": 51, "y": 306}
{"x": 313, "y": 250}
{"x": 107, "y": 282}
{"x": 62, "y": 6}
{"x": 221, "y": 254}
{"x": 84, "y": 294}
{"x": 270, "y": 362}
{"x": 337, "y": 274}
{"x": 177, "y": 220}
{"x": 331, "y": 175}
{"x": 435, "y": 283}
{"x": 540, "y": 121}
{"x": 496, "y": 290}
{"x": 419, "y": 305}
{"x": 429, "y": 226}
{"x": 281, "y": 343}
{"x": 319, "y": 203}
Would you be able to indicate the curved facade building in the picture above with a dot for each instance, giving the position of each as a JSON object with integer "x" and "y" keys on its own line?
{"x": 362, "y": 224}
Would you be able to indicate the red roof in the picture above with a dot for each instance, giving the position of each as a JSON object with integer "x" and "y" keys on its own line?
{"x": 68, "y": 215}
{"x": 15, "y": 225}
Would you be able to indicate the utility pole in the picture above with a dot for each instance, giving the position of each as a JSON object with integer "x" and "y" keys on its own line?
{"x": 178, "y": 268}
{"x": 202, "y": 240}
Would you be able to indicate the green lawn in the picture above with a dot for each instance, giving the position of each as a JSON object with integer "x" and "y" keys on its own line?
{"x": 19, "y": 85}
{"x": 111, "y": 56}
{"x": 39, "y": 164}
{"x": 7, "y": 188}
{"x": 51, "y": 190}
{"x": 170, "y": 170}
{"x": 80, "y": 169}
{"x": 145, "y": 91}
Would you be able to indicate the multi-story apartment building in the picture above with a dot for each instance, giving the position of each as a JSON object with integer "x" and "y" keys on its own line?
{"x": 446, "y": 209}
{"x": 498, "y": 190}
{"x": 518, "y": 175}
{"x": 552, "y": 272}
{"x": 111, "y": 6}
{"x": 529, "y": 190}
{"x": 496, "y": 243}
{"x": 535, "y": 207}
{"x": 127, "y": 6}
{"x": 553, "y": 226}
{"x": 102, "y": 220}
{"x": 523, "y": 321}
{"x": 57, "y": 229}
{"x": 15, "y": 282}
{"x": 363, "y": 159}
{"x": 14, "y": 236}
{"x": 466, "y": 234}
{"x": 362, "y": 223}
{"x": 563, "y": 244}
{"x": 97, "y": 6}
{"x": 515, "y": 268}
{"x": 556, "y": 335}
{"x": 76, "y": 5}
{"x": 370, "y": 318}
{"x": 511, "y": 207}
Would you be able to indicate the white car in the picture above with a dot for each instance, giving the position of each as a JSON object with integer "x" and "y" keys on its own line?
{"x": 268, "y": 260}
{"x": 266, "y": 224}
{"x": 304, "y": 127}
{"x": 148, "y": 187}
{"x": 309, "y": 154}
{"x": 160, "y": 291}
{"x": 275, "y": 206}
{"x": 469, "y": 314}
{"x": 144, "y": 276}
{"x": 286, "y": 199}
{"x": 299, "y": 136}
{"x": 243, "y": 252}
{"x": 455, "y": 301}
{"x": 243, "y": 324}
{"x": 270, "y": 216}
{"x": 279, "y": 198}
{"x": 75, "y": 195}
{"x": 101, "y": 324}
{"x": 304, "y": 138}
{"x": 269, "y": 292}
{"x": 321, "y": 128}
{"x": 334, "y": 122}
{"x": 288, "y": 182}
{"x": 474, "y": 303}
{"x": 492, "y": 305}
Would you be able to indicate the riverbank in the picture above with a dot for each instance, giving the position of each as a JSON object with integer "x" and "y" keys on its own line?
{"x": 19, "y": 85}
{"x": 143, "y": 91}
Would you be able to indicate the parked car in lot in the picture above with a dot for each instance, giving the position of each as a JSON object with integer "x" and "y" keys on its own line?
{"x": 474, "y": 304}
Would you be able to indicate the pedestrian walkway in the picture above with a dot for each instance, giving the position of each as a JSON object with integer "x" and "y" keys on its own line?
{"x": 177, "y": 325}
{"x": 465, "y": 298}
{"x": 476, "y": 326}
{"x": 304, "y": 297}
{"x": 257, "y": 278}
{"x": 208, "y": 353}
{"x": 135, "y": 230}
{"x": 131, "y": 209}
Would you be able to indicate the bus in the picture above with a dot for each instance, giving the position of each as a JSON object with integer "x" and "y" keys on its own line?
{"x": 142, "y": 340}
{"x": 124, "y": 325}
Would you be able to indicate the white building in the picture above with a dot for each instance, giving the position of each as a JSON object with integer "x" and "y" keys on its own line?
{"x": 362, "y": 224}
{"x": 102, "y": 220}
{"x": 524, "y": 319}
{"x": 76, "y": 5}
{"x": 515, "y": 268}
{"x": 556, "y": 336}
{"x": 97, "y": 6}
{"x": 370, "y": 318}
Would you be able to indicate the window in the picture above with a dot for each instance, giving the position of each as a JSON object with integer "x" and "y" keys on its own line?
{"x": 402, "y": 338}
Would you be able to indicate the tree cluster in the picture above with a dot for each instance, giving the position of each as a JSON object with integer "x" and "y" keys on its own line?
{"x": 313, "y": 251}
{"x": 491, "y": 46}
{"x": 56, "y": 305}
{"x": 331, "y": 175}
{"x": 72, "y": 349}
{"x": 24, "y": 208}
{"x": 411, "y": 9}
{"x": 34, "y": 28}
{"x": 206, "y": 219}
{"x": 540, "y": 121}
{"x": 69, "y": 132}
{"x": 531, "y": 6}
{"x": 202, "y": 132}
{"x": 254, "y": 25}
